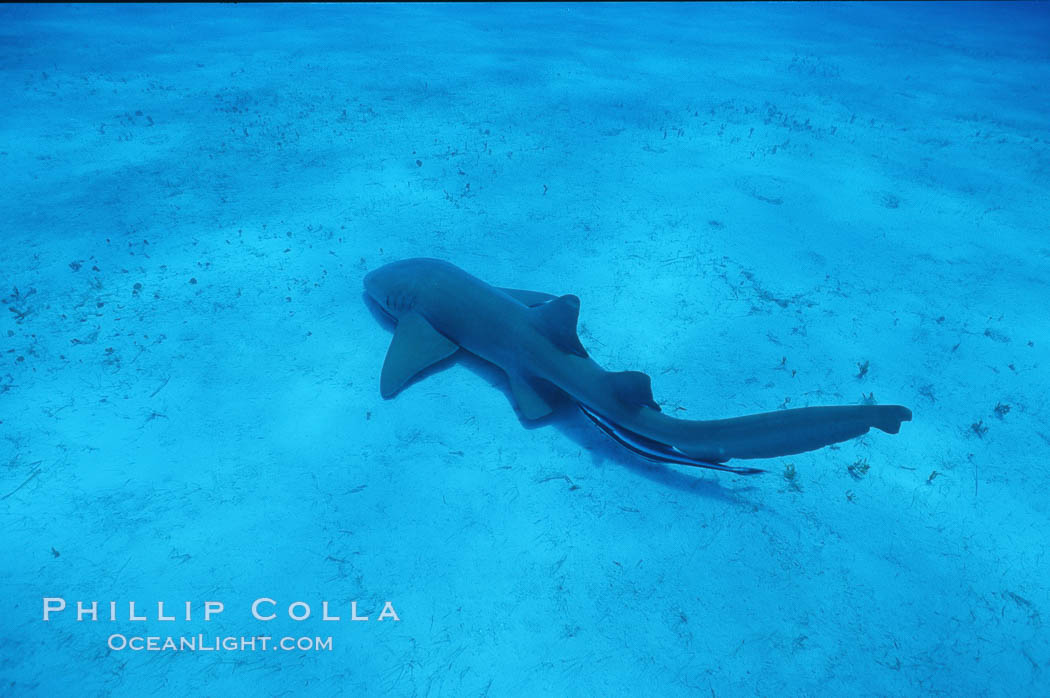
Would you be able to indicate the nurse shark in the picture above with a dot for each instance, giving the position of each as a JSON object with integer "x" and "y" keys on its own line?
{"x": 440, "y": 308}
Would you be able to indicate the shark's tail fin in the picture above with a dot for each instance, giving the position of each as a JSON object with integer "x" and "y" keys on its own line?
{"x": 890, "y": 418}
{"x": 785, "y": 432}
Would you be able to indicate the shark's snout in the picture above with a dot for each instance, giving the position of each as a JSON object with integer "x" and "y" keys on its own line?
{"x": 370, "y": 283}
{"x": 377, "y": 290}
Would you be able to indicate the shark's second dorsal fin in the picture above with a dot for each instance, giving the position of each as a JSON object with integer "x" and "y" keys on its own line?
{"x": 633, "y": 388}
{"x": 557, "y": 320}
{"x": 416, "y": 345}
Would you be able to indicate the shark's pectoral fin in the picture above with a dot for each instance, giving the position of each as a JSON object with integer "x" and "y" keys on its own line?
{"x": 557, "y": 320}
{"x": 529, "y": 298}
{"x": 633, "y": 388}
{"x": 530, "y": 403}
{"x": 416, "y": 345}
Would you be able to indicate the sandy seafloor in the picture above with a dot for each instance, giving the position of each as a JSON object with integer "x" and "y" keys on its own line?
{"x": 752, "y": 202}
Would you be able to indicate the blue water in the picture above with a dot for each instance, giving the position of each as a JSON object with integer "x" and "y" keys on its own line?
{"x": 760, "y": 206}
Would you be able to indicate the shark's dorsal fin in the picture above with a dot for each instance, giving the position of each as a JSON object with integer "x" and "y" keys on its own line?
{"x": 633, "y": 388}
{"x": 416, "y": 345}
{"x": 529, "y": 298}
{"x": 530, "y": 403}
{"x": 557, "y": 320}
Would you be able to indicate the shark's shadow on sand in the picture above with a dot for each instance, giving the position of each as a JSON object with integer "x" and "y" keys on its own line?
{"x": 568, "y": 420}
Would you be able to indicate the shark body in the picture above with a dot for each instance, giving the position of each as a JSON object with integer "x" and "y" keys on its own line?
{"x": 440, "y": 308}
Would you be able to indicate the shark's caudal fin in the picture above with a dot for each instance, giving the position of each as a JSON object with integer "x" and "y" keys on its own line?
{"x": 416, "y": 346}
{"x": 785, "y": 432}
{"x": 709, "y": 444}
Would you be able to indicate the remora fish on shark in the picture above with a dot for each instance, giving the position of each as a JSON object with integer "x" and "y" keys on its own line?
{"x": 440, "y": 308}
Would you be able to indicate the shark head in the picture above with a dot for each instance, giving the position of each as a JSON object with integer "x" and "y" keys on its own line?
{"x": 396, "y": 287}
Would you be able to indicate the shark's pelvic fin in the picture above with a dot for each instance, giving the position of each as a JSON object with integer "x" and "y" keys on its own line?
{"x": 557, "y": 320}
{"x": 530, "y": 403}
{"x": 416, "y": 345}
{"x": 633, "y": 388}
{"x": 529, "y": 298}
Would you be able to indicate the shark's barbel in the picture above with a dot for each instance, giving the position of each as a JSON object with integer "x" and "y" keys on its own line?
{"x": 440, "y": 308}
